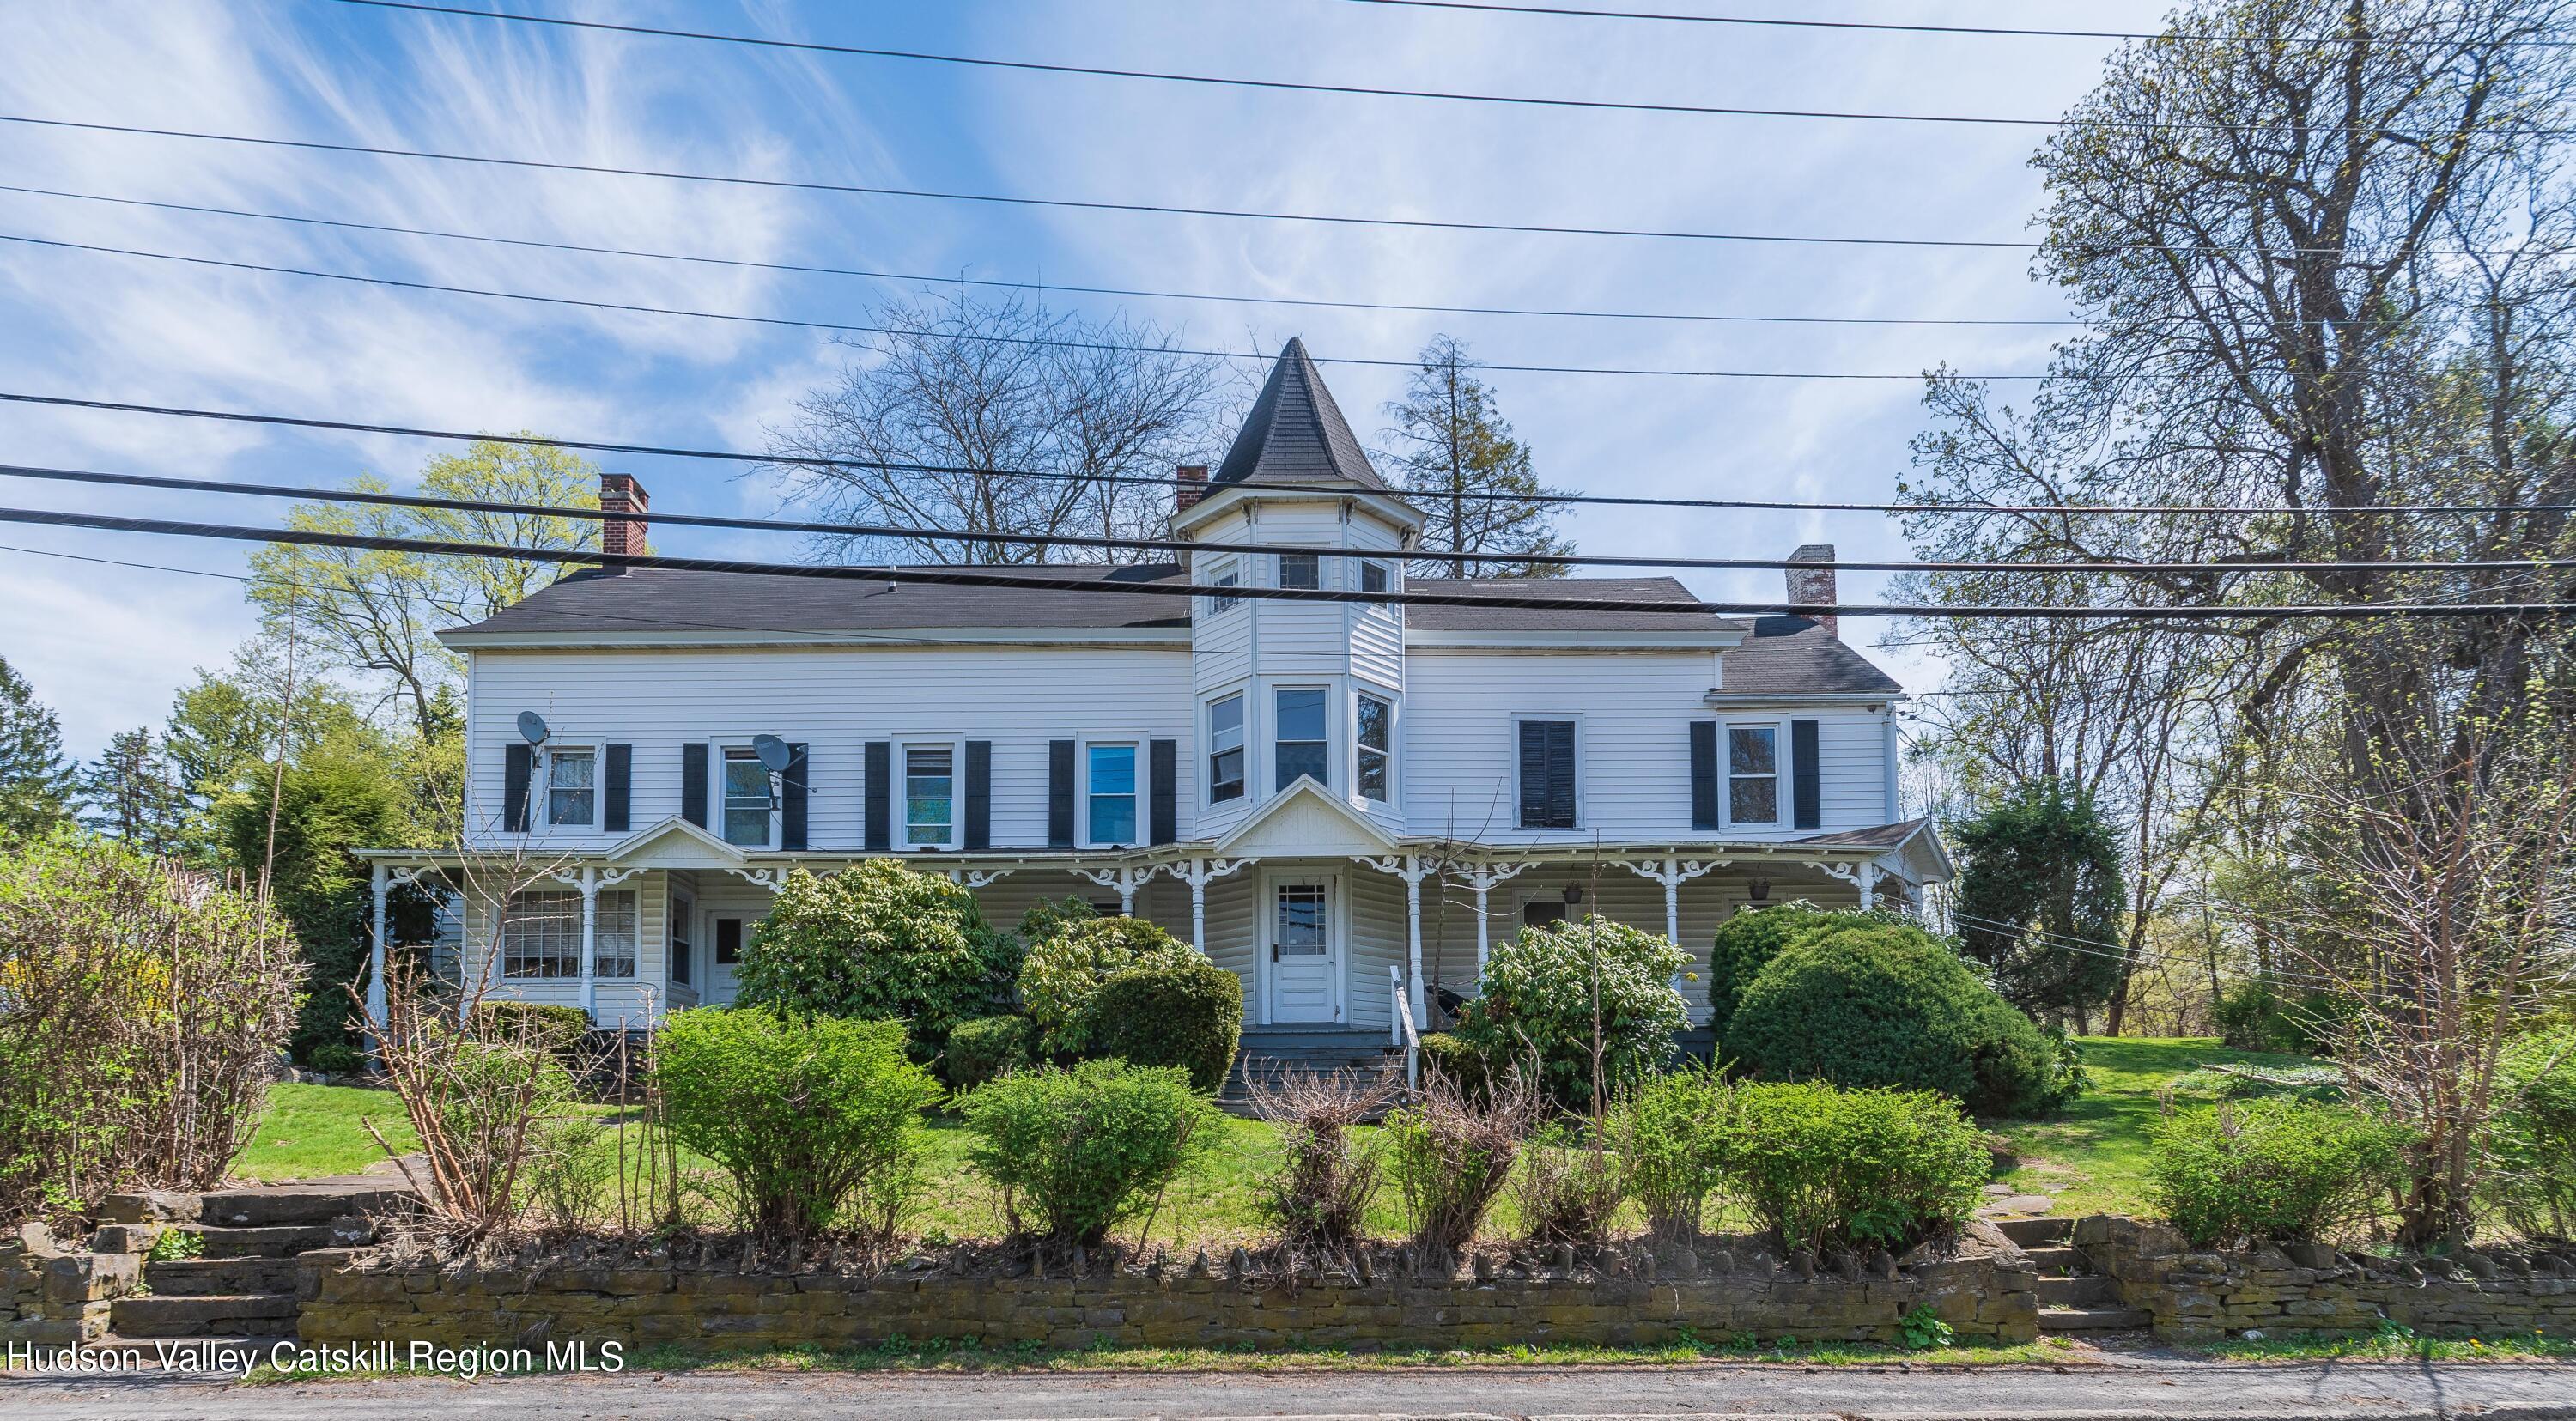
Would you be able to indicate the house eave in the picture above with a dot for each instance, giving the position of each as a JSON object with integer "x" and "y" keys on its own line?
{"x": 1724, "y": 700}
{"x": 1572, "y": 639}
{"x": 904, "y": 637}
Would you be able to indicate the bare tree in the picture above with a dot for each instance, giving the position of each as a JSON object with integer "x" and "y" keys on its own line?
{"x": 999, "y": 417}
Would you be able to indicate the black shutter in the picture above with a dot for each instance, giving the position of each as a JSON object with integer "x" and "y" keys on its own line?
{"x": 617, "y": 787}
{"x": 1560, "y": 774}
{"x": 791, "y": 799}
{"x": 880, "y": 794}
{"x": 979, "y": 794}
{"x": 1166, "y": 813}
{"x": 1059, "y": 794}
{"x": 1803, "y": 772}
{"x": 514, "y": 790}
{"x": 693, "y": 782}
{"x": 1703, "y": 784}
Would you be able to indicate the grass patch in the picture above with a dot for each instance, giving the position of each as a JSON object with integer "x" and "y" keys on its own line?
{"x": 2093, "y": 1156}
{"x": 899, "y": 1355}
{"x": 313, "y": 1131}
{"x": 2391, "y": 1343}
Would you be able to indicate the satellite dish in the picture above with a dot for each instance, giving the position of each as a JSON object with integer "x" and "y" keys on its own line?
{"x": 532, "y": 727}
{"x": 773, "y": 752}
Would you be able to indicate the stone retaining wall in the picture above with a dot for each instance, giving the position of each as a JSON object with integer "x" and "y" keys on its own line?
{"x": 2199, "y": 1295}
{"x": 54, "y": 1296}
{"x": 355, "y": 1296}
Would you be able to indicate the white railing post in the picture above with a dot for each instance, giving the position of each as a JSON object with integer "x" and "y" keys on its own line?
{"x": 380, "y": 884}
{"x": 1402, "y": 1029}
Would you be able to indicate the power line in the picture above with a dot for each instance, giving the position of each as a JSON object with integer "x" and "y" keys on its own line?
{"x": 1574, "y": 12}
{"x": 1028, "y": 66}
{"x": 536, "y": 441}
{"x": 1423, "y": 224}
{"x": 636, "y": 308}
{"x": 1186, "y": 545}
{"x": 1304, "y": 302}
{"x": 937, "y": 576}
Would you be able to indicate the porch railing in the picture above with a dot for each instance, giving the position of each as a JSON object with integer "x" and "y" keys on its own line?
{"x": 1400, "y": 1030}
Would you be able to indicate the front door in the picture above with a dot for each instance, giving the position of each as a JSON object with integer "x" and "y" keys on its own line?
{"x": 1305, "y": 950}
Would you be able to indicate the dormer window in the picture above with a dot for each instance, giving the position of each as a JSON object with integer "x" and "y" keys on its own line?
{"x": 1301, "y": 570}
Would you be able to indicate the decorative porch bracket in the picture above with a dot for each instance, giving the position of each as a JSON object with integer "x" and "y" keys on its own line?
{"x": 1198, "y": 874}
{"x": 1672, "y": 874}
{"x": 1482, "y": 878}
{"x": 1126, "y": 878}
{"x": 1412, "y": 868}
{"x": 1863, "y": 876}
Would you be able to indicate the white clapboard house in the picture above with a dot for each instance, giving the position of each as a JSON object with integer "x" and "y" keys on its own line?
{"x": 1344, "y": 802}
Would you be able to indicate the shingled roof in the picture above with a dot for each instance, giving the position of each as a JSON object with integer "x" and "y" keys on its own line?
{"x": 1296, "y": 434}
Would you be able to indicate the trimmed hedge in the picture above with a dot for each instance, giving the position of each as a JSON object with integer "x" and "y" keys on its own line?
{"x": 1887, "y": 1005}
{"x": 1078, "y": 1152}
{"x": 1746, "y": 943}
{"x": 1534, "y": 1005}
{"x": 2273, "y": 1170}
{"x": 1825, "y": 1168}
{"x": 1185, "y": 1012}
{"x": 986, "y": 1047}
{"x": 878, "y": 941}
{"x": 1072, "y": 951}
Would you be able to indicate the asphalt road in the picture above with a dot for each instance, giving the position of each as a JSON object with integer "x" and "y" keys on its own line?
{"x": 2177, "y": 1392}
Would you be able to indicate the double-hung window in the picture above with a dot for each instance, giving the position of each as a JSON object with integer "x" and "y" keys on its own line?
{"x": 541, "y": 933}
{"x": 613, "y": 934}
{"x": 929, "y": 796}
{"x": 572, "y": 788}
{"x": 746, "y": 799}
{"x": 1225, "y": 748}
{"x": 1753, "y": 774}
{"x": 1110, "y": 793}
{"x": 1548, "y": 783}
{"x": 1375, "y": 733}
{"x": 1228, "y": 573}
{"x": 1299, "y": 745}
{"x": 1301, "y": 570}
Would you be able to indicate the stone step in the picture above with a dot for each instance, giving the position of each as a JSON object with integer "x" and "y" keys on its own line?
{"x": 276, "y": 1241}
{"x": 301, "y": 1203}
{"x": 203, "y": 1277}
{"x": 2077, "y": 1292}
{"x": 2028, "y": 1232}
{"x": 2096, "y": 1319}
{"x": 215, "y": 1315}
{"x": 2059, "y": 1258}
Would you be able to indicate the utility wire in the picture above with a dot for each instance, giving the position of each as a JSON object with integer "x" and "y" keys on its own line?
{"x": 1295, "y": 86}
{"x": 1424, "y": 224}
{"x": 1576, "y": 12}
{"x": 1302, "y": 302}
{"x": 937, "y": 576}
{"x": 818, "y": 461}
{"x": 1186, "y": 545}
{"x": 972, "y": 337}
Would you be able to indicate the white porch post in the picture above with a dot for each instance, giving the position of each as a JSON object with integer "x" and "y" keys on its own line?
{"x": 1197, "y": 877}
{"x": 589, "y": 942}
{"x": 379, "y": 883}
{"x": 1481, "y": 884}
{"x": 1126, "y": 894}
{"x": 1672, "y": 902}
{"x": 1413, "y": 931}
{"x": 1868, "y": 886}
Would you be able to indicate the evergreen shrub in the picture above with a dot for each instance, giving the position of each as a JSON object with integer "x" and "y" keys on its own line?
{"x": 1173, "y": 1009}
{"x": 1077, "y": 1152}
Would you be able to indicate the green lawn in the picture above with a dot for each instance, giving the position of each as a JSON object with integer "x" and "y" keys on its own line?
{"x": 312, "y": 1131}
{"x": 2093, "y": 1157}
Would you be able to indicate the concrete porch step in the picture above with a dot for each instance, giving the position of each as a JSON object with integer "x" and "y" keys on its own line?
{"x": 2093, "y": 1319}
{"x": 273, "y": 1241}
{"x": 203, "y": 1277}
{"x": 2084, "y": 1292}
{"x": 2031, "y": 1233}
{"x": 212, "y": 1315}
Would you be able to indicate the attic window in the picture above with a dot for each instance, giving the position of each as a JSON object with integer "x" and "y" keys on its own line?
{"x": 1301, "y": 570}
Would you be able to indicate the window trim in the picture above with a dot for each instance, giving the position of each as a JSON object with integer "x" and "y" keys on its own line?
{"x": 1138, "y": 743}
{"x": 511, "y": 919}
{"x": 541, "y": 795}
{"x": 1270, "y": 741}
{"x": 1781, "y": 812}
{"x": 717, "y": 752}
{"x": 1207, "y": 742}
{"x": 1394, "y": 704}
{"x": 898, "y": 796}
{"x": 1512, "y": 752}
{"x": 1222, "y": 572}
{"x": 1279, "y": 571}
{"x": 1381, "y": 566}
{"x": 635, "y": 942}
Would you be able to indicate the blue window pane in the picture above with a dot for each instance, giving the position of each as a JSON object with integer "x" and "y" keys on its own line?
{"x": 1301, "y": 715}
{"x": 1113, "y": 819}
{"x": 1305, "y": 759}
{"x": 1113, "y": 769}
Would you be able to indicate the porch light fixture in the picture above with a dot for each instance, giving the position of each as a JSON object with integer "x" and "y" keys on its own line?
{"x": 1760, "y": 889}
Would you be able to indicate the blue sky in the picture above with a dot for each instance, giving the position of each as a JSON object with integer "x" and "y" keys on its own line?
{"x": 108, "y": 645}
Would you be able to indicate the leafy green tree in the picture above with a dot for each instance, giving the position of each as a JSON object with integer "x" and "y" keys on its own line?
{"x": 129, "y": 792}
{"x": 376, "y": 613}
{"x": 2040, "y": 901}
{"x": 35, "y": 778}
{"x": 878, "y": 941}
{"x": 1456, "y": 454}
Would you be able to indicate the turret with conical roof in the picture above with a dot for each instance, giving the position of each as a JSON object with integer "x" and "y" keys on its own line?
{"x": 1296, "y": 433}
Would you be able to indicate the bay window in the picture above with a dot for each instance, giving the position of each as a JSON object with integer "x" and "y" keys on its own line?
{"x": 1299, "y": 745}
{"x": 1376, "y": 736}
{"x": 1225, "y": 748}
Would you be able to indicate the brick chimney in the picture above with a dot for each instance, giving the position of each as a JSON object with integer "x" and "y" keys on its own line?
{"x": 1814, "y": 586}
{"x": 1192, "y": 487}
{"x": 623, "y": 500}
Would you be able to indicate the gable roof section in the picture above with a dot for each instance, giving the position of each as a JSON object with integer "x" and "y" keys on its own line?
{"x": 1522, "y": 619}
{"x": 1296, "y": 434}
{"x": 1794, "y": 656}
{"x": 1305, "y": 820}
